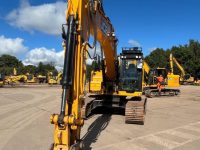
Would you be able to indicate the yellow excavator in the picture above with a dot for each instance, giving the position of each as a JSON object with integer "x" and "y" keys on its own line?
{"x": 31, "y": 78}
{"x": 185, "y": 79}
{"x": 16, "y": 79}
{"x": 122, "y": 82}
{"x": 54, "y": 79}
{"x": 41, "y": 78}
{"x": 150, "y": 82}
{"x": 51, "y": 78}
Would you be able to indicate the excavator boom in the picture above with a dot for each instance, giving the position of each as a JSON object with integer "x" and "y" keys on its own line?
{"x": 173, "y": 59}
{"x": 84, "y": 18}
{"x": 185, "y": 78}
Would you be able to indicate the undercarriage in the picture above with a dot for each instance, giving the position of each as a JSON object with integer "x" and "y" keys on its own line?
{"x": 133, "y": 108}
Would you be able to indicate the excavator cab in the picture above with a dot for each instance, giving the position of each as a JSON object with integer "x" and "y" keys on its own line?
{"x": 187, "y": 76}
{"x": 130, "y": 70}
{"x": 154, "y": 73}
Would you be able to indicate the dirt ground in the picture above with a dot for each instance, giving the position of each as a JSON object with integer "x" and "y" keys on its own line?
{"x": 171, "y": 122}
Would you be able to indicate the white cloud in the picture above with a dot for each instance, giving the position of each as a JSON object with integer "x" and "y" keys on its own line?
{"x": 152, "y": 49}
{"x": 16, "y": 48}
{"x": 134, "y": 43}
{"x": 44, "y": 55}
{"x": 46, "y": 18}
{"x": 12, "y": 46}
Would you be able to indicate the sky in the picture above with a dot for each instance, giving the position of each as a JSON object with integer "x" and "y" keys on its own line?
{"x": 30, "y": 29}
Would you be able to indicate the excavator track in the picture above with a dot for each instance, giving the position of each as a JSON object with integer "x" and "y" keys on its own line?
{"x": 150, "y": 93}
{"x": 135, "y": 112}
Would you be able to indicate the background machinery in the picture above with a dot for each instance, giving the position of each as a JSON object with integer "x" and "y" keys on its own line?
{"x": 54, "y": 79}
{"x": 51, "y": 78}
{"x": 122, "y": 82}
{"x": 150, "y": 87}
{"x": 15, "y": 79}
{"x": 184, "y": 78}
{"x": 41, "y": 78}
{"x": 31, "y": 78}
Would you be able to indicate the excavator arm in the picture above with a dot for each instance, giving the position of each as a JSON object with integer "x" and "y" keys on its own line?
{"x": 84, "y": 18}
{"x": 173, "y": 59}
{"x": 185, "y": 78}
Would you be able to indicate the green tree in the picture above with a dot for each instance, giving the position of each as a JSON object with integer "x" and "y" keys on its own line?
{"x": 8, "y": 63}
{"x": 157, "y": 58}
{"x": 43, "y": 69}
{"x": 187, "y": 55}
{"x": 30, "y": 69}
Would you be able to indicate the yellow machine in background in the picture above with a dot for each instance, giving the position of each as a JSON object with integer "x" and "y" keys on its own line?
{"x": 96, "y": 81}
{"x": 150, "y": 82}
{"x": 31, "y": 78}
{"x": 41, "y": 78}
{"x": 15, "y": 79}
{"x": 122, "y": 86}
{"x": 54, "y": 79}
{"x": 51, "y": 78}
{"x": 184, "y": 78}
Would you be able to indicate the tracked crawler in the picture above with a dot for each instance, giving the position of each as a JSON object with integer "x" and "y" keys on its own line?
{"x": 169, "y": 86}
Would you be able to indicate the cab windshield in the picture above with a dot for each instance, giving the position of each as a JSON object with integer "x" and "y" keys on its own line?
{"x": 130, "y": 75}
{"x": 128, "y": 69}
